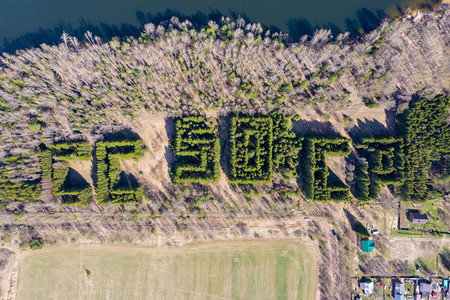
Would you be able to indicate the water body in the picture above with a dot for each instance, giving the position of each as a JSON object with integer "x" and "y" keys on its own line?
{"x": 27, "y": 23}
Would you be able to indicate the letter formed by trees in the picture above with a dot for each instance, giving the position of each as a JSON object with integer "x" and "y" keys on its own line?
{"x": 197, "y": 151}
{"x": 286, "y": 146}
{"x": 316, "y": 183}
{"x": 426, "y": 136}
{"x": 383, "y": 164}
{"x": 250, "y": 149}
{"x": 70, "y": 193}
{"x": 111, "y": 185}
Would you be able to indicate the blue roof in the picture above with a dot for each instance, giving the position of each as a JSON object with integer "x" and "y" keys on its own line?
{"x": 367, "y": 246}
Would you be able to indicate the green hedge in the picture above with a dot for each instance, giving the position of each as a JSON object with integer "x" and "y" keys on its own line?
{"x": 251, "y": 149}
{"x": 315, "y": 170}
{"x": 63, "y": 188}
{"x": 197, "y": 151}
{"x": 77, "y": 150}
{"x": 108, "y": 154}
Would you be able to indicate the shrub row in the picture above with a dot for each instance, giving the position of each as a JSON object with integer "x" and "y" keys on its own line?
{"x": 197, "y": 151}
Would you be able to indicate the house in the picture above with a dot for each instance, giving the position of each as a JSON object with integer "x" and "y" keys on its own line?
{"x": 366, "y": 286}
{"x": 399, "y": 290}
{"x": 417, "y": 218}
{"x": 425, "y": 289}
{"x": 367, "y": 246}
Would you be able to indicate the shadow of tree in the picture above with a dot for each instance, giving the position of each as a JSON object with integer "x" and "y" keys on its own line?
{"x": 305, "y": 128}
{"x": 445, "y": 258}
{"x": 368, "y": 128}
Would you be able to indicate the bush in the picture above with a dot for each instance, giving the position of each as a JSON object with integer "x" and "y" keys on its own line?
{"x": 36, "y": 243}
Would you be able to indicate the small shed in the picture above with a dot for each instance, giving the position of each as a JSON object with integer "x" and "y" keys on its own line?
{"x": 367, "y": 246}
{"x": 417, "y": 218}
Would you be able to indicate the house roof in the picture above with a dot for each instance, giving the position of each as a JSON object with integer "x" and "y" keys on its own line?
{"x": 367, "y": 246}
{"x": 399, "y": 288}
{"x": 399, "y": 297}
{"x": 425, "y": 287}
{"x": 366, "y": 286}
{"x": 417, "y": 216}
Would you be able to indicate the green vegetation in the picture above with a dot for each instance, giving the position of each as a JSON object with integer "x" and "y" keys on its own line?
{"x": 70, "y": 193}
{"x": 286, "y": 146}
{"x": 361, "y": 230}
{"x": 14, "y": 188}
{"x": 220, "y": 270}
{"x": 112, "y": 186}
{"x": 315, "y": 171}
{"x": 36, "y": 243}
{"x": 426, "y": 139}
{"x": 251, "y": 149}
{"x": 197, "y": 151}
{"x": 385, "y": 166}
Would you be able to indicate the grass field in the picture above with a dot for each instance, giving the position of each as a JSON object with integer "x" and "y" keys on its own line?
{"x": 214, "y": 270}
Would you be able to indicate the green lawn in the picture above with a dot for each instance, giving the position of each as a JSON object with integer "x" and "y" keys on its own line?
{"x": 215, "y": 270}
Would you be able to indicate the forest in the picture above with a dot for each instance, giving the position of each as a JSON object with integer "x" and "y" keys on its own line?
{"x": 58, "y": 102}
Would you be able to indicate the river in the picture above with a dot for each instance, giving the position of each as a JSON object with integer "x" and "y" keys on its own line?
{"x": 27, "y": 23}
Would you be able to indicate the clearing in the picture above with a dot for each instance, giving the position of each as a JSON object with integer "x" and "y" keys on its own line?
{"x": 213, "y": 270}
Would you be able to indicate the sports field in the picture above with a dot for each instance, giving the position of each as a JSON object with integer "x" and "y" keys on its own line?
{"x": 213, "y": 270}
